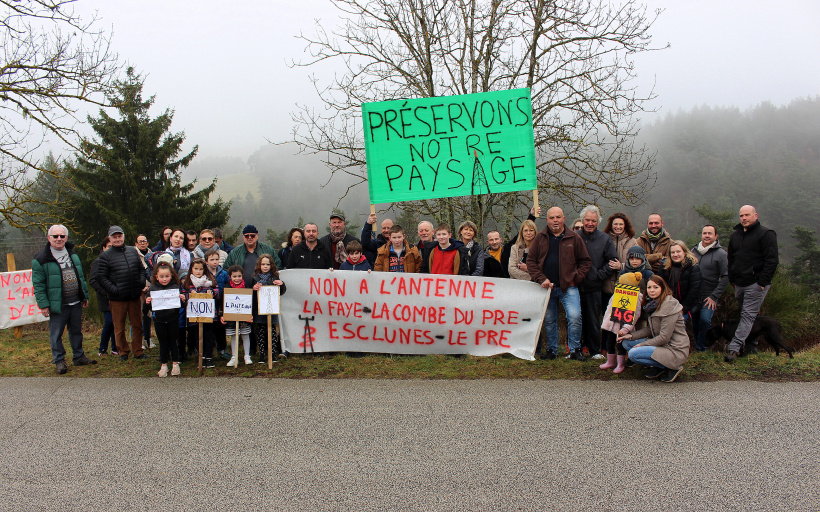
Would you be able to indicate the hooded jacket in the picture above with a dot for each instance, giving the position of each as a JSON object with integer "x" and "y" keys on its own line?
{"x": 666, "y": 331}
{"x": 714, "y": 272}
{"x": 461, "y": 266}
{"x": 412, "y": 258}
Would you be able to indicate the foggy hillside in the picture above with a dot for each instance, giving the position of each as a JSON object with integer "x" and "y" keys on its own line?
{"x": 767, "y": 156}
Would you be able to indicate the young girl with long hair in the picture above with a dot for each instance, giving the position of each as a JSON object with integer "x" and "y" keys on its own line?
{"x": 166, "y": 321}
{"x": 201, "y": 280}
{"x": 266, "y": 274}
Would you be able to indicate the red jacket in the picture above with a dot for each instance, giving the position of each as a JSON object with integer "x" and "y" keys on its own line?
{"x": 573, "y": 259}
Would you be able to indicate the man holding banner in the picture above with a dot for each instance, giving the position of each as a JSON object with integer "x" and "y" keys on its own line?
{"x": 61, "y": 293}
{"x": 558, "y": 256}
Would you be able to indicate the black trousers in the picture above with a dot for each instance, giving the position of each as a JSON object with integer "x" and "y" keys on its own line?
{"x": 591, "y": 321}
{"x": 167, "y": 333}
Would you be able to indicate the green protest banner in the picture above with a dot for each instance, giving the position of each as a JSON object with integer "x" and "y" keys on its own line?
{"x": 449, "y": 146}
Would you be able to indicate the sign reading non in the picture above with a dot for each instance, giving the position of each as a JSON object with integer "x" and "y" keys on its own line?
{"x": 449, "y": 146}
{"x": 411, "y": 313}
{"x": 201, "y": 307}
{"x": 18, "y": 306}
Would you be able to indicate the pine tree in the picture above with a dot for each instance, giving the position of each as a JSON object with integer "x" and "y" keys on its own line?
{"x": 129, "y": 174}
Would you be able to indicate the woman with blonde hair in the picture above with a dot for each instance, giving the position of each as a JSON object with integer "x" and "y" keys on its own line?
{"x": 682, "y": 273}
{"x": 519, "y": 251}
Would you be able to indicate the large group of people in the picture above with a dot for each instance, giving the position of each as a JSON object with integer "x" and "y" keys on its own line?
{"x": 580, "y": 266}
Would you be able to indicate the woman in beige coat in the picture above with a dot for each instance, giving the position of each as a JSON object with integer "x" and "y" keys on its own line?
{"x": 518, "y": 252}
{"x": 663, "y": 344}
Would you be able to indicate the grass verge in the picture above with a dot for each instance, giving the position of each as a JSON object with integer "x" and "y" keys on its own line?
{"x": 30, "y": 356}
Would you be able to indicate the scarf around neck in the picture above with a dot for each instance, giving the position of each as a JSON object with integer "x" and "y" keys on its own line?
{"x": 201, "y": 282}
{"x": 654, "y": 238}
{"x": 341, "y": 252}
{"x": 703, "y": 250}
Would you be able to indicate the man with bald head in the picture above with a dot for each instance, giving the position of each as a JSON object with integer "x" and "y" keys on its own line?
{"x": 370, "y": 243}
{"x": 558, "y": 260}
{"x": 753, "y": 260}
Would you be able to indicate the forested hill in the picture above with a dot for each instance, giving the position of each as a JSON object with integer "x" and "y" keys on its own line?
{"x": 767, "y": 156}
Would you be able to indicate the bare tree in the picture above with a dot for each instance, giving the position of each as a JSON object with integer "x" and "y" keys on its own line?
{"x": 53, "y": 63}
{"x": 576, "y": 56}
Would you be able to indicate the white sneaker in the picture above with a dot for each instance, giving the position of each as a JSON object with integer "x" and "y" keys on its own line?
{"x": 598, "y": 356}
{"x": 232, "y": 362}
{"x": 567, "y": 356}
{"x": 248, "y": 360}
{"x": 175, "y": 369}
{"x": 163, "y": 371}
{"x": 151, "y": 343}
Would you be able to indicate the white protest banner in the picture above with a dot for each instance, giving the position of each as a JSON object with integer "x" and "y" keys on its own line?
{"x": 398, "y": 313}
{"x": 238, "y": 305}
{"x": 165, "y": 299}
{"x": 17, "y": 303}
{"x": 268, "y": 300}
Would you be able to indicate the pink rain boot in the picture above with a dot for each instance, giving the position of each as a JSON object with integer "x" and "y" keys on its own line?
{"x": 610, "y": 362}
{"x": 621, "y": 364}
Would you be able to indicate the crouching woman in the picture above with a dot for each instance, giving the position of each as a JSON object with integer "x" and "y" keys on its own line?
{"x": 663, "y": 343}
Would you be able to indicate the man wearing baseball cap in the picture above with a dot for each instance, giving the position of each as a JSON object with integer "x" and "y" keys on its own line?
{"x": 121, "y": 274}
{"x": 245, "y": 255}
{"x": 338, "y": 239}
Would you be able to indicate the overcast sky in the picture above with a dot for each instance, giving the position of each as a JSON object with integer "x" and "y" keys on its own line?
{"x": 223, "y": 66}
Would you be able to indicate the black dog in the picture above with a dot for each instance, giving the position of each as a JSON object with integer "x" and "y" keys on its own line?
{"x": 765, "y": 326}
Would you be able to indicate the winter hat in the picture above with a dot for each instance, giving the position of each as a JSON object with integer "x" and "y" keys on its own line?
{"x": 250, "y": 228}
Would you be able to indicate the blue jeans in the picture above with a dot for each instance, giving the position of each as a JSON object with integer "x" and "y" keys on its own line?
{"x": 571, "y": 301}
{"x": 641, "y": 355}
{"x": 701, "y": 321}
{"x": 71, "y": 317}
{"x": 107, "y": 333}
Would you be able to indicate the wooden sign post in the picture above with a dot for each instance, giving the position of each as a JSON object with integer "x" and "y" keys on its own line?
{"x": 200, "y": 309}
{"x": 268, "y": 300}
{"x": 237, "y": 307}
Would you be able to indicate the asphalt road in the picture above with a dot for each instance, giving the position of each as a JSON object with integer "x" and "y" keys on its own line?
{"x": 259, "y": 444}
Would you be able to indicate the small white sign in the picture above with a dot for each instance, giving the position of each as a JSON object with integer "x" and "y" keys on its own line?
{"x": 268, "y": 300}
{"x": 201, "y": 308}
{"x": 165, "y": 299}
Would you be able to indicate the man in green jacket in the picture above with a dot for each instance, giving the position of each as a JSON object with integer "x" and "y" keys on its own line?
{"x": 61, "y": 293}
{"x": 245, "y": 255}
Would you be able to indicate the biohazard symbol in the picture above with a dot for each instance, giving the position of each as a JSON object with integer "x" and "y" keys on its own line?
{"x": 624, "y": 302}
